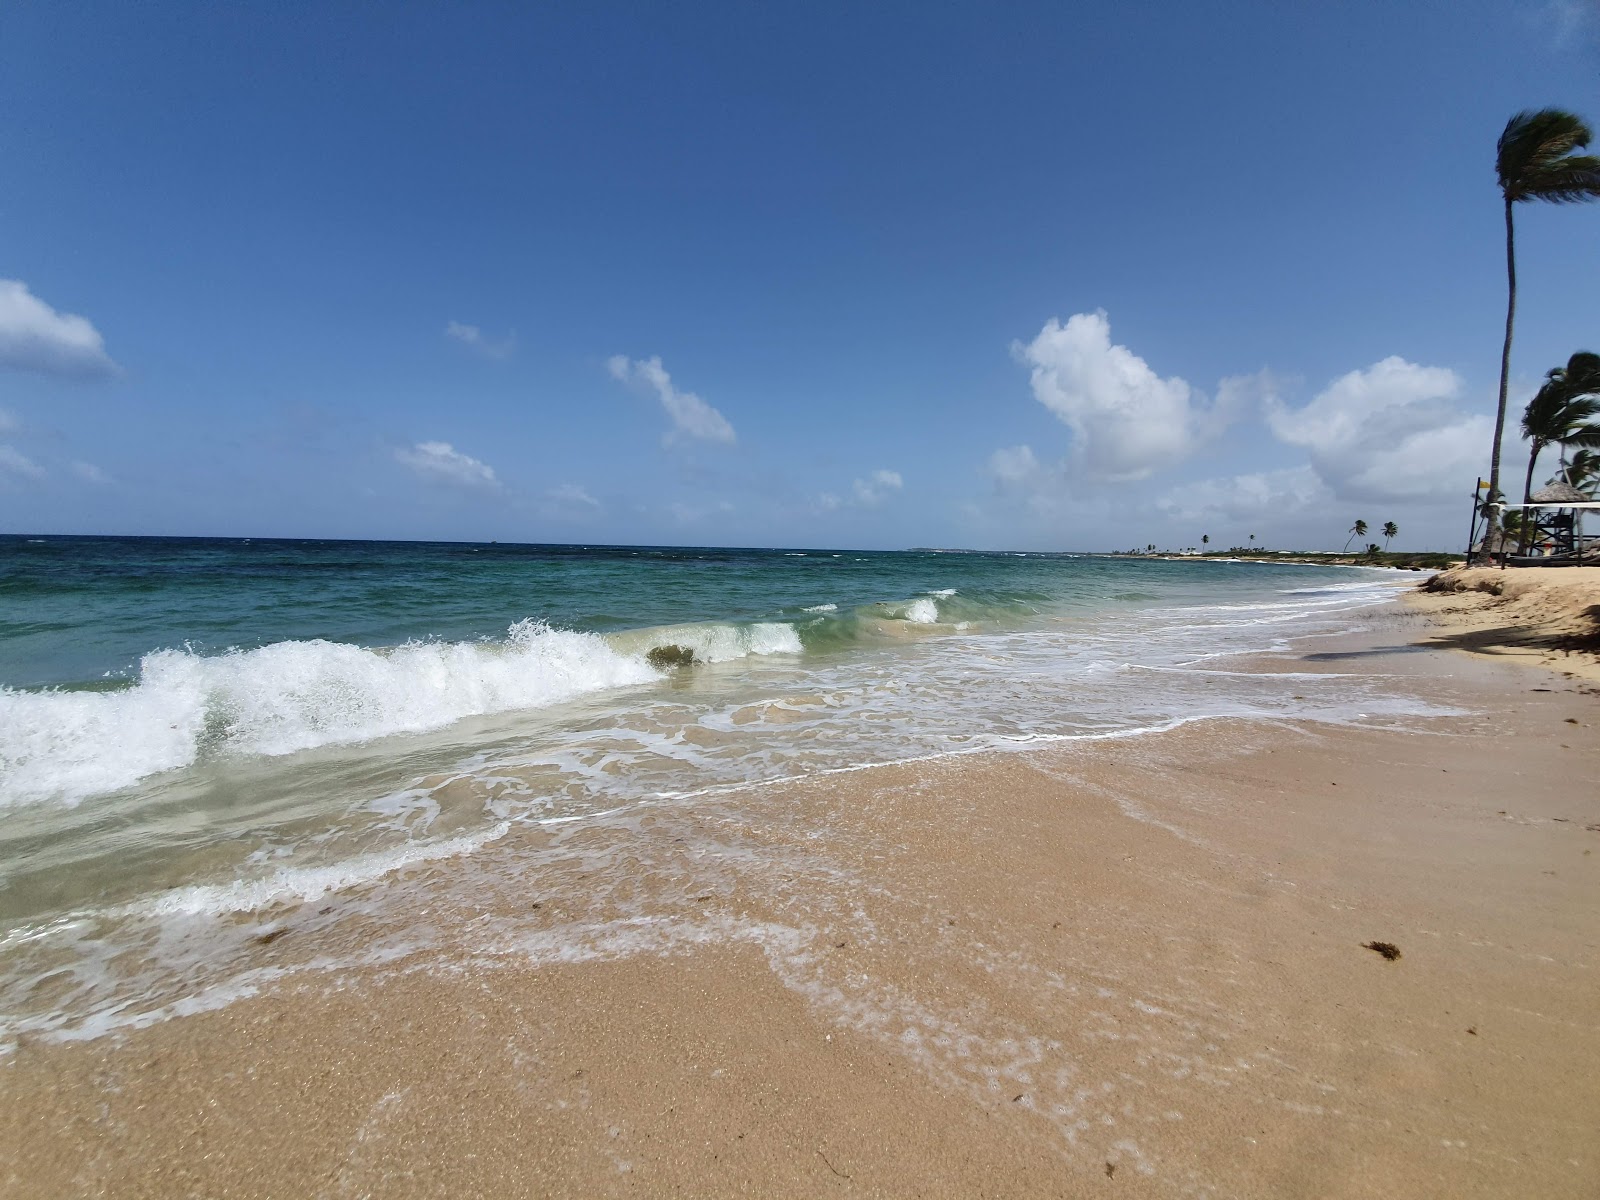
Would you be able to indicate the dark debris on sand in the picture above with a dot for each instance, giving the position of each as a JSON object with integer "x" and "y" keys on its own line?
{"x": 1388, "y": 949}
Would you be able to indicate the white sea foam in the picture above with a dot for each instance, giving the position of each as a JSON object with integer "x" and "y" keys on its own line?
{"x": 299, "y": 884}
{"x": 713, "y": 643}
{"x": 821, "y": 608}
{"x": 922, "y": 611}
{"x": 282, "y": 698}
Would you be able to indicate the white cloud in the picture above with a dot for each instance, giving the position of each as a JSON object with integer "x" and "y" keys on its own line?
{"x": 1569, "y": 21}
{"x": 875, "y": 487}
{"x": 570, "y": 495}
{"x": 35, "y": 337}
{"x": 1262, "y": 495}
{"x": 90, "y": 473}
{"x": 9, "y": 421}
{"x": 1126, "y": 420}
{"x": 1390, "y": 432}
{"x": 439, "y": 462}
{"x": 472, "y": 337}
{"x": 864, "y": 493}
{"x": 1014, "y": 466}
{"x": 17, "y": 465}
{"x": 691, "y": 416}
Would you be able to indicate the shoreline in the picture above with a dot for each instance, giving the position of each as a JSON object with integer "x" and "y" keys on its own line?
{"x": 1133, "y": 963}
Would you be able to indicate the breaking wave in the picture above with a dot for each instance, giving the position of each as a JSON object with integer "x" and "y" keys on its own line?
{"x": 285, "y": 697}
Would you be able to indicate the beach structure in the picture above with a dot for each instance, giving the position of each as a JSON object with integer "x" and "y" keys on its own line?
{"x": 1553, "y": 529}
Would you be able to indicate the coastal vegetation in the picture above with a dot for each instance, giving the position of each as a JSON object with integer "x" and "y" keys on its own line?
{"x": 1372, "y": 556}
{"x": 1562, "y": 413}
{"x": 1535, "y": 159}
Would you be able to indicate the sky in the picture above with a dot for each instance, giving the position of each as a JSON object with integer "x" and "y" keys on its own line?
{"x": 1053, "y": 276}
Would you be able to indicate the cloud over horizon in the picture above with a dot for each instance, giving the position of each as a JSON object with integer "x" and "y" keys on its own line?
{"x": 1392, "y": 431}
{"x": 691, "y": 416}
{"x": 1126, "y": 421}
{"x": 864, "y": 493}
{"x": 35, "y": 337}
{"x": 18, "y": 466}
{"x": 571, "y": 495}
{"x": 440, "y": 462}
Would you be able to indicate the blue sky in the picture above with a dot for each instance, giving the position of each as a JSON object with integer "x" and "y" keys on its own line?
{"x": 1051, "y": 276}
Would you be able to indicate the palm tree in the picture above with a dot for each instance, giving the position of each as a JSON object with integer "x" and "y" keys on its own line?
{"x": 1205, "y": 539}
{"x": 1359, "y": 529}
{"x": 1562, "y": 410}
{"x": 1583, "y": 471}
{"x": 1390, "y": 530}
{"x": 1535, "y": 160}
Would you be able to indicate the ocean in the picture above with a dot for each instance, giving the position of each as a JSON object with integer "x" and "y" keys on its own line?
{"x": 201, "y": 739}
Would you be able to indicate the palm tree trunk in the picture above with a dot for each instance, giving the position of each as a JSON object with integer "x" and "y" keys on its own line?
{"x": 1505, "y": 363}
{"x": 1527, "y": 497}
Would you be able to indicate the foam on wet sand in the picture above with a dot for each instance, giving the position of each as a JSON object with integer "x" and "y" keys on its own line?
{"x": 1133, "y": 963}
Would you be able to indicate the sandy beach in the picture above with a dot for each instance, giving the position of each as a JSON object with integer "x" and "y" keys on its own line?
{"x": 1549, "y": 616}
{"x": 1134, "y": 966}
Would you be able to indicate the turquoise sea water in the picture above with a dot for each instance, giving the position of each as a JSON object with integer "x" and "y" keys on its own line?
{"x": 192, "y": 730}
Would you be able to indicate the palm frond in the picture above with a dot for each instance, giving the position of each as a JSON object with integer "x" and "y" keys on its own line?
{"x": 1569, "y": 180}
{"x": 1533, "y": 155}
{"x": 1586, "y": 436}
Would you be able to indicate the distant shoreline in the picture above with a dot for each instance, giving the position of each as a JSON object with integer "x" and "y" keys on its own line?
{"x": 1428, "y": 560}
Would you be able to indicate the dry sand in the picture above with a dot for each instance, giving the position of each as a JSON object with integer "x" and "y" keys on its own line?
{"x": 1545, "y": 615}
{"x": 1131, "y": 967}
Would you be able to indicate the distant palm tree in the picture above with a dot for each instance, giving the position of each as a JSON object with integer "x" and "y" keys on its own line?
{"x": 1535, "y": 160}
{"x": 1359, "y": 529}
{"x": 1562, "y": 411}
{"x": 1252, "y": 540}
{"x": 1390, "y": 530}
{"x": 1583, "y": 471}
{"x": 1205, "y": 539}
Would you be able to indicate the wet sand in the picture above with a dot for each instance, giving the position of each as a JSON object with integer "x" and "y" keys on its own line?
{"x": 1132, "y": 966}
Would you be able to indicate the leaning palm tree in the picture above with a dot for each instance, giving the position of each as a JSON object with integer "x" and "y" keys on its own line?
{"x": 1390, "y": 530}
{"x": 1562, "y": 411}
{"x": 1359, "y": 529}
{"x": 1535, "y": 160}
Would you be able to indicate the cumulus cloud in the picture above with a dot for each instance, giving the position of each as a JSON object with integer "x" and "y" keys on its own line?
{"x": 1271, "y": 494}
{"x": 864, "y": 493}
{"x": 875, "y": 487}
{"x": 440, "y": 462}
{"x": 1390, "y": 432}
{"x": 15, "y": 465}
{"x": 691, "y": 416}
{"x": 473, "y": 338}
{"x": 35, "y": 337}
{"x": 570, "y": 495}
{"x": 1126, "y": 420}
{"x": 1014, "y": 466}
